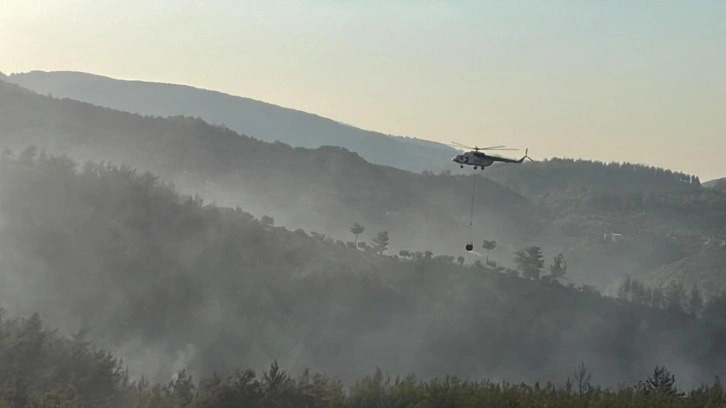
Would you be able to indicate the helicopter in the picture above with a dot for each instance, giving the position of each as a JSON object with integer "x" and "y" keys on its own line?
{"x": 482, "y": 160}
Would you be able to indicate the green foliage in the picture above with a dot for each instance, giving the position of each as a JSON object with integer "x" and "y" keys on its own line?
{"x": 559, "y": 174}
{"x": 558, "y": 269}
{"x": 182, "y": 389}
{"x": 673, "y": 297}
{"x": 530, "y": 262}
{"x": 40, "y": 368}
{"x": 489, "y": 245}
{"x": 267, "y": 221}
{"x": 661, "y": 383}
{"x": 356, "y": 230}
{"x": 380, "y": 242}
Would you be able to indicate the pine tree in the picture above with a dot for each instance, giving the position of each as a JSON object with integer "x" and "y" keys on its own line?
{"x": 380, "y": 242}
{"x": 267, "y": 221}
{"x": 582, "y": 379}
{"x": 356, "y": 230}
{"x": 489, "y": 245}
{"x": 662, "y": 382}
{"x": 558, "y": 268}
{"x": 529, "y": 262}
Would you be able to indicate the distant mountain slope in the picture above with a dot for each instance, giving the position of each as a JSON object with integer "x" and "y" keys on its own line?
{"x": 560, "y": 174}
{"x": 619, "y": 218}
{"x": 620, "y": 197}
{"x": 705, "y": 269}
{"x": 719, "y": 184}
{"x": 325, "y": 189}
{"x": 258, "y": 119}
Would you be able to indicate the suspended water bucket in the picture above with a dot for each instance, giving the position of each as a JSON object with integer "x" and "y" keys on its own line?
{"x": 469, "y": 247}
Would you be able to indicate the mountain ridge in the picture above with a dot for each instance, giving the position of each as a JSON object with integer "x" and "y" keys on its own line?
{"x": 718, "y": 183}
{"x": 269, "y": 178}
{"x": 259, "y": 119}
{"x": 80, "y": 86}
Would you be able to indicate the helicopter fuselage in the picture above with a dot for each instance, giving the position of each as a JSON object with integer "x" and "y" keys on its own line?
{"x": 473, "y": 159}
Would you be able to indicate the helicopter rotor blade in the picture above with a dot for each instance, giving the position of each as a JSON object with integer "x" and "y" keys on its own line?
{"x": 477, "y": 148}
{"x": 461, "y": 145}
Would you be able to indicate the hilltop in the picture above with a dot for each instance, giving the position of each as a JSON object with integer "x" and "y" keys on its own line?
{"x": 719, "y": 184}
{"x": 261, "y": 120}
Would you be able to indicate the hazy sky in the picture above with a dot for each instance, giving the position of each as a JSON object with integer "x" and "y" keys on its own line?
{"x": 641, "y": 81}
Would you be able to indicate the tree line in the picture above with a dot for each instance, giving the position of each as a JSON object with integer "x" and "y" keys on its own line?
{"x": 529, "y": 261}
{"x": 41, "y": 368}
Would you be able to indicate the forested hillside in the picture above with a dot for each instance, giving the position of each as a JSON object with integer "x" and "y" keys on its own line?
{"x": 326, "y": 189}
{"x": 610, "y": 220}
{"x": 258, "y": 119}
{"x": 627, "y": 197}
{"x": 560, "y": 174}
{"x": 705, "y": 269}
{"x": 167, "y": 282}
{"x": 626, "y": 219}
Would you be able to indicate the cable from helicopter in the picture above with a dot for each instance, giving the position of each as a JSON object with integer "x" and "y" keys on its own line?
{"x": 470, "y": 244}
{"x": 478, "y": 159}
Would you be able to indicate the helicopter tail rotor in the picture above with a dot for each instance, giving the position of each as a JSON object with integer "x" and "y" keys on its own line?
{"x": 526, "y": 156}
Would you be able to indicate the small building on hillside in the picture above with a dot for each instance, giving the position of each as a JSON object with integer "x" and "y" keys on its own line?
{"x": 613, "y": 237}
